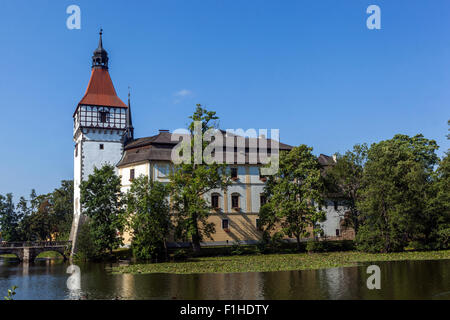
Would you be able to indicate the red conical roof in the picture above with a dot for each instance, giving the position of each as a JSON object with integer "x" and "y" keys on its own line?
{"x": 100, "y": 90}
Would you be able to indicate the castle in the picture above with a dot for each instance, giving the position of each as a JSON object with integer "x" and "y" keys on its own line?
{"x": 103, "y": 134}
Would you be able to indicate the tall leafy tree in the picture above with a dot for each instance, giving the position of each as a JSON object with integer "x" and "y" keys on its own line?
{"x": 24, "y": 212}
{"x": 9, "y": 220}
{"x": 42, "y": 221}
{"x": 101, "y": 200}
{"x": 395, "y": 191}
{"x": 435, "y": 228}
{"x": 47, "y": 216}
{"x": 293, "y": 194}
{"x": 189, "y": 184}
{"x": 345, "y": 179}
{"x": 62, "y": 209}
{"x": 148, "y": 218}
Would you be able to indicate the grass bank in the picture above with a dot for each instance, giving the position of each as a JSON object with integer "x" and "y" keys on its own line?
{"x": 275, "y": 262}
{"x": 43, "y": 255}
{"x": 8, "y": 256}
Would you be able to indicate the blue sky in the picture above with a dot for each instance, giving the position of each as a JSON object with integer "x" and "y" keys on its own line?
{"x": 310, "y": 68}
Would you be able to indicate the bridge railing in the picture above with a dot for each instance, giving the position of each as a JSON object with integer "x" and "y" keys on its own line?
{"x": 45, "y": 244}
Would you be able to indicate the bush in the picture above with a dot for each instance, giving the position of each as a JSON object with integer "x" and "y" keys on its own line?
{"x": 330, "y": 246}
{"x": 85, "y": 244}
{"x": 444, "y": 238}
{"x": 369, "y": 240}
{"x": 236, "y": 248}
{"x": 180, "y": 255}
{"x": 438, "y": 241}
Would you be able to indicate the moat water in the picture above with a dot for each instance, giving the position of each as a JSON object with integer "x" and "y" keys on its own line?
{"x": 47, "y": 279}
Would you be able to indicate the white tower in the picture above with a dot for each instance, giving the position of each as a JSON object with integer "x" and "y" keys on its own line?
{"x": 102, "y": 124}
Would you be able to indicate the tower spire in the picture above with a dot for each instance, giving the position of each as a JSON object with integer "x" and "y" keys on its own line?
{"x": 100, "y": 41}
{"x": 129, "y": 128}
{"x": 100, "y": 57}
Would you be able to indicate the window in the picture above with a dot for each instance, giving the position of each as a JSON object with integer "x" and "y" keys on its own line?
{"x": 235, "y": 201}
{"x": 337, "y": 232}
{"x": 335, "y": 205}
{"x": 131, "y": 174}
{"x": 234, "y": 173}
{"x": 104, "y": 116}
{"x": 262, "y": 200}
{"x": 76, "y": 150}
{"x": 102, "y": 146}
{"x": 163, "y": 171}
{"x": 225, "y": 224}
{"x": 215, "y": 201}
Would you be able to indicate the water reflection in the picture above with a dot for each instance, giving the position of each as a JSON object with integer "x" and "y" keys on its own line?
{"x": 52, "y": 279}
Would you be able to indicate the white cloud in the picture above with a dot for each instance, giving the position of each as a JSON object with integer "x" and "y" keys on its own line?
{"x": 183, "y": 93}
{"x": 180, "y": 95}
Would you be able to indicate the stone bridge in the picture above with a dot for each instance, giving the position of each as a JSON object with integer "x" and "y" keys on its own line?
{"x": 28, "y": 251}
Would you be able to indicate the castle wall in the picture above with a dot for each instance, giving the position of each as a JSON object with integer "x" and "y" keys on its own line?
{"x": 243, "y": 222}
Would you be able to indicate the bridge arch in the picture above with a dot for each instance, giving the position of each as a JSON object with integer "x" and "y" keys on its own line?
{"x": 17, "y": 254}
{"x": 28, "y": 251}
{"x": 60, "y": 254}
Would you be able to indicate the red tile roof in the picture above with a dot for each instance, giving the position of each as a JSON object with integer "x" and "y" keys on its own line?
{"x": 100, "y": 91}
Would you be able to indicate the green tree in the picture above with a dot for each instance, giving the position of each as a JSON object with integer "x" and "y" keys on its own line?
{"x": 86, "y": 246}
{"x": 101, "y": 203}
{"x": 42, "y": 221}
{"x": 345, "y": 179}
{"x": 294, "y": 194}
{"x": 435, "y": 228}
{"x": 35, "y": 217}
{"x": 395, "y": 192}
{"x": 9, "y": 220}
{"x": 190, "y": 182}
{"x": 62, "y": 209}
{"x": 24, "y": 212}
{"x": 148, "y": 218}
